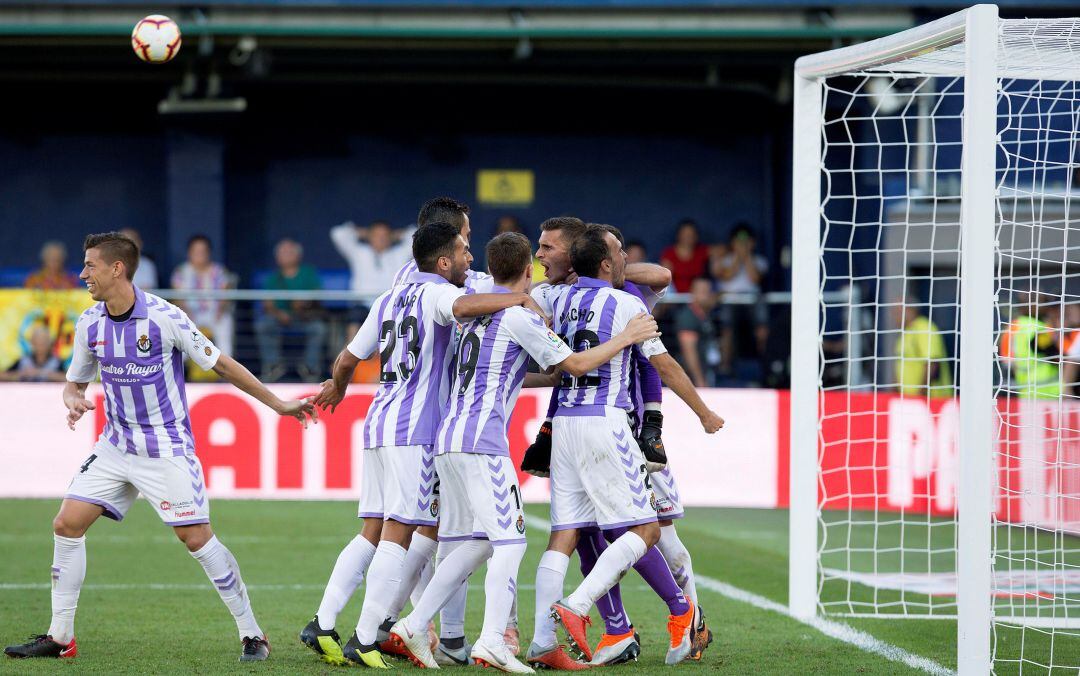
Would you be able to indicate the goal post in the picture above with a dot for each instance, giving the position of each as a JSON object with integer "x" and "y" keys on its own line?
{"x": 935, "y": 438}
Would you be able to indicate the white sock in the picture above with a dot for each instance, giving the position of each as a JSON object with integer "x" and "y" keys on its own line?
{"x": 421, "y": 550}
{"x": 224, "y": 572}
{"x": 422, "y": 582}
{"x": 613, "y": 563}
{"x": 513, "y": 621}
{"x": 383, "y": 580}
{"x": 348, "y": 573}
{"x": 447, "y": 580}
{"x": 68, "y": 573}
{"x": 550, "y": 576}
{"x": 452, "y": 615}
{"x": 678, "y": 560}
{"x": 500, "y": 590}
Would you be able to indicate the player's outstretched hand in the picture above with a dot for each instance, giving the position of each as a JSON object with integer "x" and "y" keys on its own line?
{"x": 641, "y": 327}
{"x": 711, "y": 422}
{"x": 329, "y": 396}
{"x": 76, "y": 408}
{"x": 301, "y": 409}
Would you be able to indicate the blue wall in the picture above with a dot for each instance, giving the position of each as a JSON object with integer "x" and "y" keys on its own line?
{"x": 65, "y": 186}
{"x": 643, "y": 185}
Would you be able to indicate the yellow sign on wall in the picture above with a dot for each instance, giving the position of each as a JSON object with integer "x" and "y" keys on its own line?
{"x": 21, "y": 310}
{"x": 504, "y": 187}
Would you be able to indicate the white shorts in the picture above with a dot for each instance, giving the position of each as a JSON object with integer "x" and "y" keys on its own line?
{"x": 399, "y": 483}
{"x": 480, "y": 499}
{"x": 598, "y": 475}
{"x": 113, "y": 479}
{"x": 668, "y": 501}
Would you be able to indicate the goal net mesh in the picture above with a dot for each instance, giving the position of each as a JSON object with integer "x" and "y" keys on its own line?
{"x": 892, "y": 148}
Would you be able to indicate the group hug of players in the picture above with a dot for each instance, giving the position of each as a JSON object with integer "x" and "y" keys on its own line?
{"x": 438, "y": 483}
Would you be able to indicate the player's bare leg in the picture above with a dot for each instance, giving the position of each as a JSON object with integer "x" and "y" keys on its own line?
{"x": 224, "y": 572}
{"x": 349, "y": 570}
{"x": 68, "y": 571}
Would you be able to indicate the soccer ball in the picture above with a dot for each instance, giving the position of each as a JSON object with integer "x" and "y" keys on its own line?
{"x": 156, "y": 39}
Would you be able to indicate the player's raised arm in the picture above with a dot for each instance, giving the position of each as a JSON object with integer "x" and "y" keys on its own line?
{"x": 675, "y": 377}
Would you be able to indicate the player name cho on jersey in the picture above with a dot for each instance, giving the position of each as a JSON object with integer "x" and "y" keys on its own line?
{"x": 589, "y": 313}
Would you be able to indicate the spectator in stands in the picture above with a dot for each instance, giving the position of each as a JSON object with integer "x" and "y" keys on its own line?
{"x": 302, "y": 316}
{"x": 687, "y": 258}
{"x": 923, "y": 369}
{"x": 52, "y": 275}
{"x": 636, "y": 252}
{"x": 696, "y": 328}
{"x": 740, "y": 273}
{"x": 741, "y": 269}
{"x": 40, "y": 365}
{"x": 374, "y": 254}
{"x": 200, "y": 273}
{"x": 146, "y": 274}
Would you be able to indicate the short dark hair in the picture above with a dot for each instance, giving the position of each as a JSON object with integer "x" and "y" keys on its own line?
{"x": 199, "y": 238}
{"x": 590, "y": 250}
{"x": 507, "y": 255}
{"x": 631, "y": 243}
{"x": 613, "y": 230}
{"x": 379, "y": 222}
{"x": 443, "y": 210}
{"x": 115, "y": 247}
{"x": 571, "y": 227}
{"x": 433, "y": 241}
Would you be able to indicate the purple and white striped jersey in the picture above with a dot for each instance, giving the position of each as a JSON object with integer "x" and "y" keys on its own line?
{"x": 476, "y": 281}
{"x": 142, "y": 373}
{"x": 585, "y": 315}
{"x": 491, "y": 363}
{"x": 411, "y": 325}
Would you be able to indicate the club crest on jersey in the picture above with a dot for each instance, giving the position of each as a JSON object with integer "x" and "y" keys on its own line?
{"x": 652, "y": 500}
{"x": 435, "y": 508}
{"x": 144, "y": 343}
{"x": 165, "y": 505}
{"x": 520, "y": 525}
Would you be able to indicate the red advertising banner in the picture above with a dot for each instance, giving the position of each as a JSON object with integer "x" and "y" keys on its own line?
{"x": 878, "y": 452}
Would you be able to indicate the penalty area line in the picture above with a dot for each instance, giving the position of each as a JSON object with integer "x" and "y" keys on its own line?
{"x": 837, "y": 630}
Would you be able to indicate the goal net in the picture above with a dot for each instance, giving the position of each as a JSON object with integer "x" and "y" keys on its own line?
{"x": 949, "y": 369}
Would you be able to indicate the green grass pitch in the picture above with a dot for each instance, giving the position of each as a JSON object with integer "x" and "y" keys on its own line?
{"x": 148, "y": 608}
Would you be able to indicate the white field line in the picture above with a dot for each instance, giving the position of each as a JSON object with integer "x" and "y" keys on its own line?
{"x": 841, "y": 632}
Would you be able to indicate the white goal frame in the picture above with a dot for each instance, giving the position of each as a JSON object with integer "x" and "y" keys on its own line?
{"x": 977, "y": 29}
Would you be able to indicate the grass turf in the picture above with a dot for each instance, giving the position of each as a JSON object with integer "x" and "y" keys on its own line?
{"x": 148, "y": 608}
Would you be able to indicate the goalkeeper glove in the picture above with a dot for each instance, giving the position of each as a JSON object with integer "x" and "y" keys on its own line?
{"x": 652, "y": 446}
{"x": 537, "y": 460}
